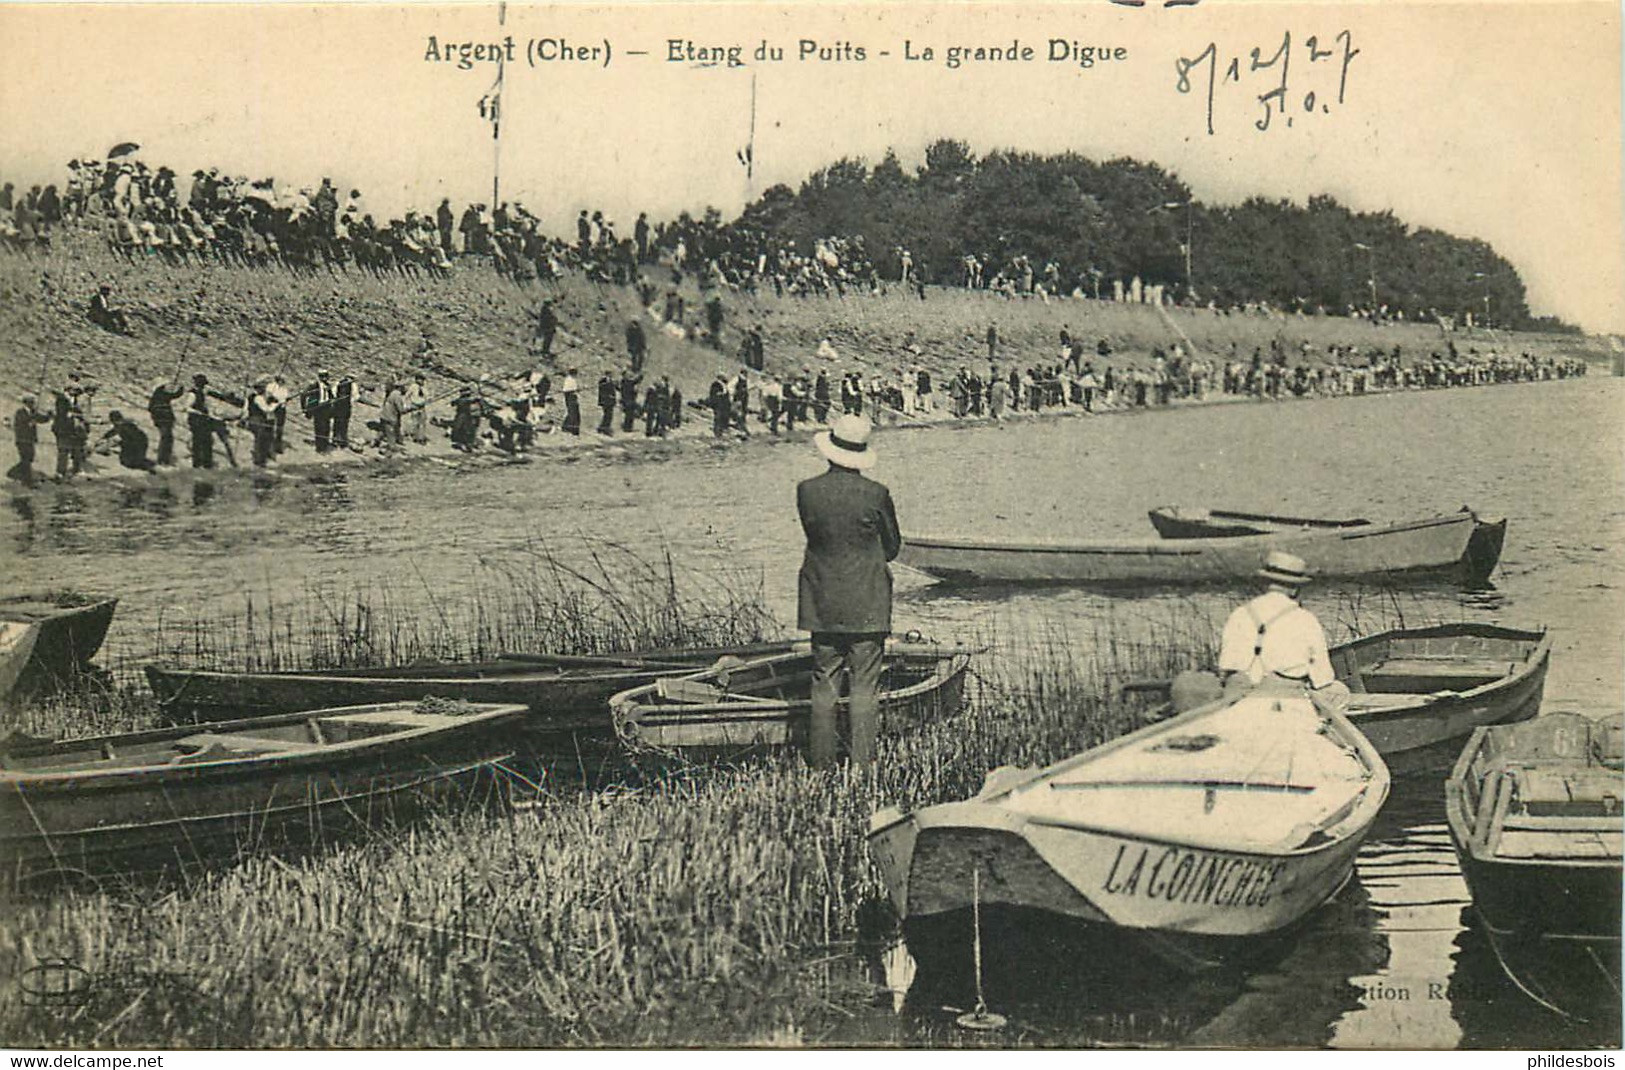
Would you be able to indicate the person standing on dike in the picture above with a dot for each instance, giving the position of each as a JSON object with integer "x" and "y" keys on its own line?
{"x": 845, "y": 588}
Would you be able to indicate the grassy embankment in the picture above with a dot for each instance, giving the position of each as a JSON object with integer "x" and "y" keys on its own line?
{"x": 708, "y": 906}
{"x": 233, "y": 323}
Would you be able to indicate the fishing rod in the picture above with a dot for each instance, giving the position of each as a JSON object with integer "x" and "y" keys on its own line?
{"x": 191, "y": 331}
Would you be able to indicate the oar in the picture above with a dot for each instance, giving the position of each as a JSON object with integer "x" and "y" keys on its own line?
{"x": 594, "y": 660}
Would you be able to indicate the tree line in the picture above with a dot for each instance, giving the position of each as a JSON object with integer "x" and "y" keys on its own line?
{"x": 1099, "y": 222}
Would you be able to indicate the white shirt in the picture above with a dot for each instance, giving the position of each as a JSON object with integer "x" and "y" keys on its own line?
{"x": 1272, "y": 634}
{"x": 570, "y": 386}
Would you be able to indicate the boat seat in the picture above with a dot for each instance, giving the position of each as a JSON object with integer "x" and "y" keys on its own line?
{"x": 1426, "y": 675}
{"x": 677, "y": 689}
{"x": 1496, "y": 667}
{"x": 215, "y": 746}
{"x": 1371, "y": 701}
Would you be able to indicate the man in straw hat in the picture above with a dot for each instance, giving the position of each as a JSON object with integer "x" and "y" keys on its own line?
{"x": 845, "y": 587}
{"x": 1272, "y": 642}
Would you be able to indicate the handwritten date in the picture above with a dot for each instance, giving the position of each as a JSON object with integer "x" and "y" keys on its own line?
{"x": 1282, "y": 88}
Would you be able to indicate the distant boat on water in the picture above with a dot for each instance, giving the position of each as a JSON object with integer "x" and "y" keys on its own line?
{"x": 1429, "y": 546}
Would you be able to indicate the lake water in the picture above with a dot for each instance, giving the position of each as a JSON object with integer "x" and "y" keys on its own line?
{"x": 1549, "y": 456}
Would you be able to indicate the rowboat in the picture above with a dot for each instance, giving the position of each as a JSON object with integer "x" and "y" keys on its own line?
{"x": 176, "y": 795}
{"x": 1173, "y": 522}
{"x": 1535, "y": 815}
{"x": 1416, "y": 547}
{"x": 1413, "y": 689}
{"x": 1190, "y": 840}
{"x": 70, "y": 629}
{"x": 766, "y": 702}
{"x": 564, "y": 692}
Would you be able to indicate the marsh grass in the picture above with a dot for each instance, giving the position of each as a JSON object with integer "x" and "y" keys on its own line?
{"x": 602, "y": 599}
{"x": 709, "y": 906}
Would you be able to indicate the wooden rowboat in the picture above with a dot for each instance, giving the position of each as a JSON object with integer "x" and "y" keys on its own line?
{"x": 1173, "y": 522}
{"x": 1535, "y": 814}
{"x": 71, "y": 628}
{"x": 1416, "y": 693}
{"x": 1415, "y": 689}
{"x": 1190, "y": 839}
{"x": 564, "y": 692}
{"x": 765, "y": 702}
{"x": 177, "y": 795}
{"x": 1417, "y": 547}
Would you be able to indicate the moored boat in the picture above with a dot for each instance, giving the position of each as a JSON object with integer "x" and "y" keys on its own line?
{"x": 177, "y": 795}
{"x": 1191, "y": 839}
{"x": 1416, "y": 693}
{"x": 1478, "y": 560}
{"x": 70, "y": 630}
{"x": 1415, "y": 689}
{"x": 1435, "y": 545}
{"x": 565, "y": 692}
{"x": 766, "y": 701}
{"x": 1535, "y": 814}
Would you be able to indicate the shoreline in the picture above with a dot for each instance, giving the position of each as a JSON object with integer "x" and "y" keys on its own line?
{"x": 301, "y": 458}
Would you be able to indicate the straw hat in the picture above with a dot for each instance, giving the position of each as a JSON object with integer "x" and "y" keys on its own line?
{"x": 846, "y": 443}
{"x": 1284, "y": 568}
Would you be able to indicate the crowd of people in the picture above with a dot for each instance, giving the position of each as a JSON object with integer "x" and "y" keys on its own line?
{"x": 509, "y": 413}
{"x": 149, "y": 213}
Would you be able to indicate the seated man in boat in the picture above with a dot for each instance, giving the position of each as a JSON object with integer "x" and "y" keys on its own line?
{"x": 1273, "y": 643}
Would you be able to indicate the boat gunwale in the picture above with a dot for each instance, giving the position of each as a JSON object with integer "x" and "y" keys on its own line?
{"x": 82, "y": 609}
{"x": 631, "y": 699}
{"x": 1179, "y": 547}
{"x": 563, "y": 673}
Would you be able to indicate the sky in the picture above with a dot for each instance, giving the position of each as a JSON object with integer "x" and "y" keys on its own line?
{"x": 1500, "y": 121}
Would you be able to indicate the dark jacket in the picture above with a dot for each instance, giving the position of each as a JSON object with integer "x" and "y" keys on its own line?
{"x": 851, "y": 528}
{"x": 24, "y": 427}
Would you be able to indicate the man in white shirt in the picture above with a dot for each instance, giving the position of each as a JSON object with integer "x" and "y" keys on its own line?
{"x": 1272, "y": 642}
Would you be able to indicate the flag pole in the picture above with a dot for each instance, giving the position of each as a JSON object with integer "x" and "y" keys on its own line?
{"x": 750, "y": 150}
{"x": 496, "y": 117}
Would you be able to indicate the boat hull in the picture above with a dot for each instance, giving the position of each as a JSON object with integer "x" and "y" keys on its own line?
{"x": 1194, "y": 908}
{"x": 69, "y": 636}
{"x": 1431, "y": 546}
{"x": 1478, "y": 560}
{"x": 91, "y": 822}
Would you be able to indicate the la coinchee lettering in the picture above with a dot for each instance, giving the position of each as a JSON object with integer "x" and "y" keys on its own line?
{"x": 1184, "y": 876}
